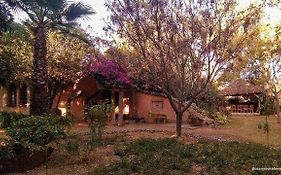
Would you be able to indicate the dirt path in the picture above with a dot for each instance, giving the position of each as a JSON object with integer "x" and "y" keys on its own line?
{"x": 168, "y": 129}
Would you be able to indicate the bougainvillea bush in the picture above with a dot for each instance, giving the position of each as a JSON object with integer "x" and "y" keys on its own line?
{"x": 108, "y": 71}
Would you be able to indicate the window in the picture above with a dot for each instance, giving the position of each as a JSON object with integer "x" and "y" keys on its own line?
{"x": 23, "y": 96}
{"x": 17, "y": 93}
{"x": 157, "y": 104}
{"x": 12, "y": 96}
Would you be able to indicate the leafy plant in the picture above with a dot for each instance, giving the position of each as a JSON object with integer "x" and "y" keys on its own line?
{"x": 38, "y": 131}
{"x": 220, "y": 118}
{"x": 267, "y": 108}
{"x": 265, "y": 127}
{"x": 98, "y": 117}
{"x": 7, "y": 119}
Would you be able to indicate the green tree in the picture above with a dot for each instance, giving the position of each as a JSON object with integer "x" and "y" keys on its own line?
{"x": 264, "y": 63}
{"x": 15, "y": 56}
{"x": 64, "y": 59}
{"x": 44, "y": 15}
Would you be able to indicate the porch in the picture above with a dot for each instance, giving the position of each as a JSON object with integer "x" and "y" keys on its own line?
{"x": 241, "y": 97}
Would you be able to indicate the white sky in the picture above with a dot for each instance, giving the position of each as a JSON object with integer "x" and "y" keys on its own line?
{"x": 95, "y": 23}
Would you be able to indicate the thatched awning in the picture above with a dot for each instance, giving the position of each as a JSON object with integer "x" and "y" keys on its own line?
{"x": 241, "y": 87}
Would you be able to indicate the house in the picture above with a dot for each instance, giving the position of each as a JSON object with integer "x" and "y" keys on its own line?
{"x": 242, "y": 97}
{"x": 136, "y": 104}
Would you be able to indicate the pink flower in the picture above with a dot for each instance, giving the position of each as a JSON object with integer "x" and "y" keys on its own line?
{"x": 109, "y": 70}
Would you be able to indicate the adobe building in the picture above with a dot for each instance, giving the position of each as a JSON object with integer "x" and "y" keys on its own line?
{"x": 137, "y": 105}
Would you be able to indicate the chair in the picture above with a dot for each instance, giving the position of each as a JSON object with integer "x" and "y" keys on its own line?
{"x": 239, "y": 108}
{"x": 233, "y": 108}
{"x": 251, "y": 109}
{"x": 245, "y": 109}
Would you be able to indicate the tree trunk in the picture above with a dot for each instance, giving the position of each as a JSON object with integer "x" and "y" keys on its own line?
{"x": 59, "y": 97}
{"x": 179, "y": 124}
{"x": 113, "y": 120}
{"x": 39, "y": 100}
{"x": 267, "y": 130}
{"x": 278, "y": 109}
{"x": 120, "y": 107}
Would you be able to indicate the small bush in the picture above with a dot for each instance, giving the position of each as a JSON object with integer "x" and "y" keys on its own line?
{"x": 220, "y": 118}
{"x": 98, "y": 117}
{"x": 38, "y": 131}
{"x": 7, "y": 119}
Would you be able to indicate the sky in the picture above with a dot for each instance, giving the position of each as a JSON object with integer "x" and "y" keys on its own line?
{"x": 94, "y": 24}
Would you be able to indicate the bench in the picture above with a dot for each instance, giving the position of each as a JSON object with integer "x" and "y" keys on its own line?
{"x": 133, "y": 118}
{"x": 160, "y": 118}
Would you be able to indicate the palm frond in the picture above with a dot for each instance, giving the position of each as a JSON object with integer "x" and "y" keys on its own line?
{"x": 79, "y": 34}
{"x": 78, "y": 10}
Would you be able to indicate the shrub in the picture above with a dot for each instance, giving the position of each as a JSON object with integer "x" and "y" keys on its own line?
{"x": 7, "y": 119}
{"x": 98, "y": 116}
{"x": 220, "y": 118}
{"x": 38, "y": 131}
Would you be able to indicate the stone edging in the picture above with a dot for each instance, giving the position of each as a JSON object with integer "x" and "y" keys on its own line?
{"x": 186, "y": 134}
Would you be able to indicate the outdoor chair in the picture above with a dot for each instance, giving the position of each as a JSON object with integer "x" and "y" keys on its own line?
{"x": 233, "y": 108}
{"x": 251, "y": 109}
{"x": 239, "y": 108}
{"x": 245, "y": 109}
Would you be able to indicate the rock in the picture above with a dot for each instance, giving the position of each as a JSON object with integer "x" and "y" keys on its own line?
{"x": 198, "y": 117}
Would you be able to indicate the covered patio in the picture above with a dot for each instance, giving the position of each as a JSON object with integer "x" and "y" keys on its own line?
{"x": 241, "y": 97}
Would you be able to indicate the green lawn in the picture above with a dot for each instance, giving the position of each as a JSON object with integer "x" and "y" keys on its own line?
{"x": 246, "y": 128}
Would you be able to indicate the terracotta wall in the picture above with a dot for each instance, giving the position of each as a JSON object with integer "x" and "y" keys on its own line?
{"x": 3, "y": 97}
{"x": 144, "y": 107}
{"x": 88, "y": 86}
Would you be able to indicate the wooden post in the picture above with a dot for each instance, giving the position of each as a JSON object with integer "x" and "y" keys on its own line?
{"x": 18, "y": 97}
{"x": 259, "y": 104}
{"x": 28, "y": 96}
{"x": 112, "y": 121}
{"x": 133, "y": 103}
{"x": 120, "y": 107}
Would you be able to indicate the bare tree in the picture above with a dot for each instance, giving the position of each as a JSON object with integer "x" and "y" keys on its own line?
{"x": 182, "y": 46}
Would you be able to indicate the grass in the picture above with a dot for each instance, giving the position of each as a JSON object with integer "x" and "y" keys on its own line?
{"x": 246, "y": 128}
{"x": 168, "y": 156}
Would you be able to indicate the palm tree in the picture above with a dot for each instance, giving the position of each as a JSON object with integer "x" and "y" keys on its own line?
{"x": 44, "y": 15}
